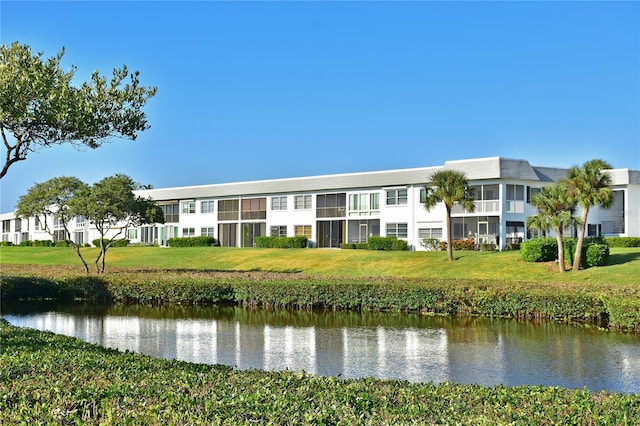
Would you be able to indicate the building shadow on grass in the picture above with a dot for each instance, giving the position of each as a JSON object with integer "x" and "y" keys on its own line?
{"x": 621, "y": 258}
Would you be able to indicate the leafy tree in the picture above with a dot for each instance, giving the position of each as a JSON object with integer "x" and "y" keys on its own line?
{"x": 449, "y": 187}
{"x": 39, "y": 106}
{"x": 113, "y": 208}
{"x": 50, "y": 199}
{"x": 589, "y": 185}
{"x": 555, "y": 212}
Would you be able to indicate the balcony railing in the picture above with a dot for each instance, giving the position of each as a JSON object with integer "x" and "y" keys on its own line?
{"x": 488, "y": 206}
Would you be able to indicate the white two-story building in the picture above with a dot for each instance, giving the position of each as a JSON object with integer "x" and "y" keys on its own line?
{"x": 334, "y": 209}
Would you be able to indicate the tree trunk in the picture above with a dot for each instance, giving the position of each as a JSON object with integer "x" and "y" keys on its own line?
{"x": 449, "y": 239}
{"x": 560, "y": 250}
{"x": 77, "y": 250}
{"x": 577, "y": 257}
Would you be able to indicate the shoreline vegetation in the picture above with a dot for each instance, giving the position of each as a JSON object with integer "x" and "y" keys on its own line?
{"x": 48, "y": 378}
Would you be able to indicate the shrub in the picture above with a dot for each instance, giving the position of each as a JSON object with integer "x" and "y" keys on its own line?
{"x": 348, "y": 246}
{"x": 25, "y": 243}
{"x": 5, "y": 243}
{"x": 41, "y": 243}
{"x": 623, "y": 241}
{"x": 363, "y": 246}
{"x": 513, "y": 246}
{"x": 191, "y": 242}
{"x": 280, "y": 242}
{"x": 597, "y": 254}
{"x": 487, "y": 247}
{"x": 63, "y": 244}
{"x": 117, "y": 243}
{"x": 387, "y": 243}
{"x": 380, "y": 243}
{"x": 399, "y": 245}
{"x": 431, "y": 243}
{"x": 539, "y": 250}
{"x": 469, "y": 244}
{"x": 570, "y": 245}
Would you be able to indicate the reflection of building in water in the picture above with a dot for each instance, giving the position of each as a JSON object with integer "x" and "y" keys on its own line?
{"x": 412, "y": 354}
{"x": 197, "y": 340}
{"x": 465, "y": 352}
{"x": 290, "y": 348}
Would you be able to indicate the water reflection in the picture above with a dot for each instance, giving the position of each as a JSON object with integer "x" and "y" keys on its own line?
{"x": 352, "y": 345}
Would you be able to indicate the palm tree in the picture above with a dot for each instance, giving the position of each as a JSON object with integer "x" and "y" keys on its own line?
{"x": 450, "y": 187}
{"x": 555, "y": 211}
{"x": 589, "y": 185}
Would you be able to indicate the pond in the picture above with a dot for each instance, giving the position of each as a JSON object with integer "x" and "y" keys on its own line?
{"x": 353, "y": 345}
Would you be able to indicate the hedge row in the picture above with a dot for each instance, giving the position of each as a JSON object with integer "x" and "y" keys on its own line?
{"x": 117, "y": 243}
{"x": 192, "y": 242}
{"x": 281, "y": 242}
{"x": 53, "y": 379}
{"x": 387, "y": 243}
{"x": 595, "y": 251}
{"x": 623, "y": 241}
{"x": 616, "y": 307}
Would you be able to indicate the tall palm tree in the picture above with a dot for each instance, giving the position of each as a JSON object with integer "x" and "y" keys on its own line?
{"x": 589, "y": 185}
{"x": 449, "y": 187}
{"x": 555, "y": 211}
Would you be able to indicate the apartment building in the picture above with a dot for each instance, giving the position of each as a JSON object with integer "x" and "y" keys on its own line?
{"x": 334, "y": 209}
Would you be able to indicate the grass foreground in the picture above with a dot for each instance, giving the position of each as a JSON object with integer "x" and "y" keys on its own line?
{"x": 51, "y": 379}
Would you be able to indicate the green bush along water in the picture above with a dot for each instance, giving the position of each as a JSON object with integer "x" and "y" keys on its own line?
{"x": 612, "y": 306}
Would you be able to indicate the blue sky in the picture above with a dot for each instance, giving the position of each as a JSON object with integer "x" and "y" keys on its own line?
{"x": 264, "y": 90}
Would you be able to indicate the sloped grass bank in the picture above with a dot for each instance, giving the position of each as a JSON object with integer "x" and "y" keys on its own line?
{"x": 615, "y": 307}
{"x": 52, "y": 379}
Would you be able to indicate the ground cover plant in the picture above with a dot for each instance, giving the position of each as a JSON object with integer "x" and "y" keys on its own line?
{"x": 52, "y": 379}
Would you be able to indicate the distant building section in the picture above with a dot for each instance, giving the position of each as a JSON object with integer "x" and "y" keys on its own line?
{"x": 349, "y": 208}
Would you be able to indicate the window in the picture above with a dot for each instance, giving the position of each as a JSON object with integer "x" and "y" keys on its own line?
{"x": 423, "y": 195}
{"x": 302, "y": 202}
{"x": 254, "y": 208}
{"x": 531, "y": 192}
{"x": 206, "y": 232}
{"x": 331, "y": 205}
{"x": 57, "y": 223}
{"x": 397, "y": 230}
{"x": 171, "y": 212}
{"x": 188, "y": 232}
{"x": 132, "y": 234}
{"x": 365, "y": 204}
{"x": 430, "y": 233}
{"x": 396, "y": 197}
{"x": 18, "y": 225}
{"x": 206, "y": 206}
{"x": 515, "y": 198}
{"x": 228, "y": 209}
{"x": 188, "y": 207}
{"x": 60, "y": 235}
{"x": 6, "y": 225}
{"x": 80, "y": 220}
{"x": 279, "y": 203}
{"x": 37, "y": 223}
{"x": 303, "y": 231}
{"x": 279, "y": 231}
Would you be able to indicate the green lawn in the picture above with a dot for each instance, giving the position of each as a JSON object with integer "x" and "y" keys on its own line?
{"x": 623, "y": 268}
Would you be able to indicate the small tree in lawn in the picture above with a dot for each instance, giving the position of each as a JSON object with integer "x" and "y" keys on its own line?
{"x": 49, "y": 201}
{"x": 40, "y": 107}
{"x": 113, "y": 208}
{"x": 555, "y": 212}
{"x": 449, "y": 187}
{"x": 589, "y": 185}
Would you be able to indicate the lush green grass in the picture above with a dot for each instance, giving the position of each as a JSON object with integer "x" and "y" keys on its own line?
{"x": 623, "y": 268}
{"x": 50, "y": 379}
